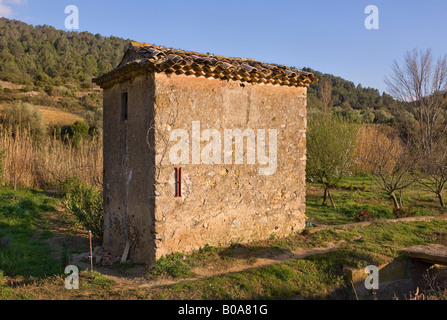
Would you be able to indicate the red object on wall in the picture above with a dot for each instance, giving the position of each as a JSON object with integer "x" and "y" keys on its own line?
{"x": 178, "y": 182}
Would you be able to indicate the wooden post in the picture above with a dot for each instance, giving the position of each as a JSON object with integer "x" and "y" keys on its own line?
{"x": 91, "y": 253}
{"x": 178, "y": 182}
{"x": 125, "y": 253}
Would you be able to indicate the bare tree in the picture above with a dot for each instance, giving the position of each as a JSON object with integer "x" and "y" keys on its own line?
{"x": 422, "y": 84}
{"x": 392, "y": 165}
{"x": 433, "y": 166}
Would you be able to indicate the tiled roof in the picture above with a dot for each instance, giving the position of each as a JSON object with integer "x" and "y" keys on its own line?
{"x": 141, "y": 56}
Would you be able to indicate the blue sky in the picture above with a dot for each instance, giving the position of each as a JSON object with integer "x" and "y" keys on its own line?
{"x": 325, "y": 35}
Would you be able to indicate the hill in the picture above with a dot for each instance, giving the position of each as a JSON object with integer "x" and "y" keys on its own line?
{"x": 43, "y": 55}
{"x": 57, "y": 67}
{"x": 361, "y": 105}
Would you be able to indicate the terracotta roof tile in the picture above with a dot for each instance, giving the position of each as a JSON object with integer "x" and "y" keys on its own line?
{"x": 140, "y": 57}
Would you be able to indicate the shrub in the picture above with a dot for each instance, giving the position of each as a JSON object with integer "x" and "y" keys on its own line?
{"x": 362, "y": 215}
{"x": 77, "y": 132}
{"x": 94, "y": 118}
{"x": 63, "y": 91}
{"x": 25, "y": 117}
{"x": 171, "y": 265}
{"x": 49, "y": 90}
{"x": 402, "y": 213}
{"x": 26, "y": 88}
{"x": 85, "y": 203}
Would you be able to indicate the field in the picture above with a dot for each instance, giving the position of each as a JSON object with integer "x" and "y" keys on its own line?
{"x": 39, "y": 239}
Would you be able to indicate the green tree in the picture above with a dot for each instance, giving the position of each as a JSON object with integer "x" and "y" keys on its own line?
{"x": 330, "y": 144}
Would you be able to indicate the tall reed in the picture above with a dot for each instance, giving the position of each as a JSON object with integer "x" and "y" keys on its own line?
{"x": 38, "y": 163}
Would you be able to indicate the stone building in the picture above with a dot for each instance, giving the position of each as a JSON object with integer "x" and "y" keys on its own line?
{"x": 201, "y": 149}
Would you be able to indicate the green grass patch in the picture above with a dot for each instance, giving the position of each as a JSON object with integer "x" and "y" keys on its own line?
{"x": 357, "y": 193}
{"x": 95, "y": 281}
{"x": 46, "y": 234}
{"x": 24, "y": 254}
{"x": 173, "y": 265}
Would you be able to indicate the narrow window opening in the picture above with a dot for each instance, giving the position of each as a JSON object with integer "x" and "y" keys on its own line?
{"x": 178, "y": 182}
{"x": 124, "y": 106}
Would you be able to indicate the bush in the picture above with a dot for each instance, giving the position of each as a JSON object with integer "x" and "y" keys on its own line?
{"x": 63, "y": 91}
{"x": 24, "y": 116}
{"x": 49, "y": 90}
{"x": 402, "y": 213}
{"x": 26, "y": 88}
{"x": 94, "y": 118}
{"x": 77, "y": 132}
{"x": 171, "y": 265}
{"x": 85, "y": 203}
{"x": 362, "y": 215}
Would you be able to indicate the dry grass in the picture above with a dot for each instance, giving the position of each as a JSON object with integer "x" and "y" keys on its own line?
{"x": 371, "y": 141}
{"x": 59, "y": 117}
{"x": 54, "y": 116}
{"x": 38, "y": 163}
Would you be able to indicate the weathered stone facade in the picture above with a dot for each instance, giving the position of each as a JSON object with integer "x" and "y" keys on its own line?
{"x": 222, "y": 202}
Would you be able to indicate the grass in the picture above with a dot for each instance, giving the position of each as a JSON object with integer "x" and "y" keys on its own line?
{"x": 56, "y": 116}
{"x": 359, "y": 193}
{"x": 25, "y": 255}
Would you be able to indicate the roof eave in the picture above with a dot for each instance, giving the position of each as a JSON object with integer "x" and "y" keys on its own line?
{"x": 135, "y": 63}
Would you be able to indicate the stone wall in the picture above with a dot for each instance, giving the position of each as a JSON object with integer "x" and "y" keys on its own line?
{"x": 220, "y": 203}
{"x": 228, "y": 203}
{"x": 128, "y": 170}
